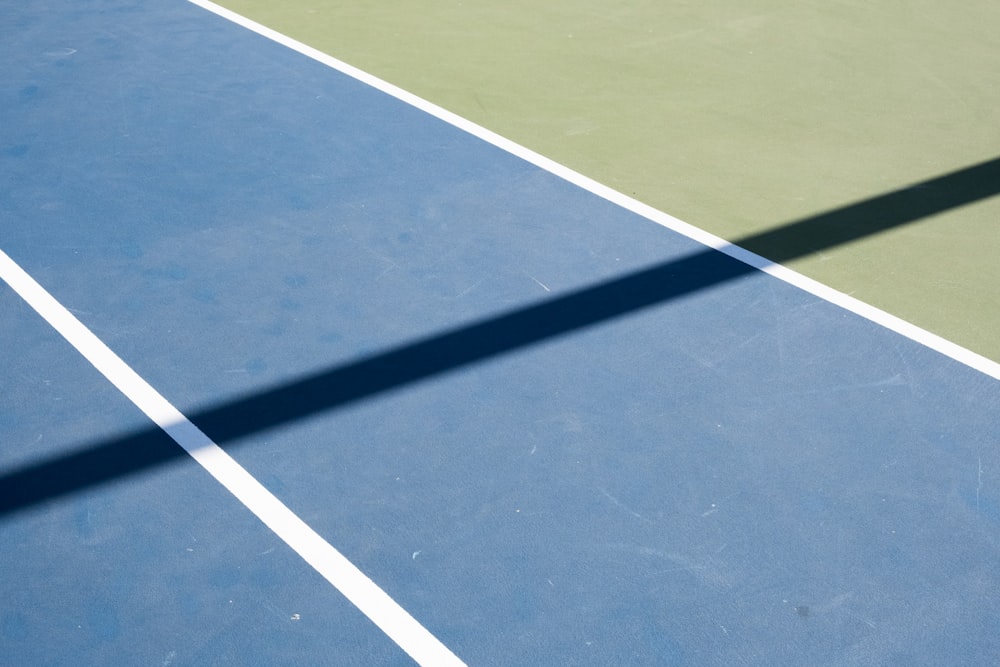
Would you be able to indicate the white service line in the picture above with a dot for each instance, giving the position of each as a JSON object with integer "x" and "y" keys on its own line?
{"x": 922, "y": 336}
{"x": 373, "y": 602}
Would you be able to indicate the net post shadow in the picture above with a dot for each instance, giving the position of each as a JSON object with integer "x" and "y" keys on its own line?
{"x": 101, "y": 462}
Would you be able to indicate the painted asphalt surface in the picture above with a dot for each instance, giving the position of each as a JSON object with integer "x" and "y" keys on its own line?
{"x": 720, "y": 469}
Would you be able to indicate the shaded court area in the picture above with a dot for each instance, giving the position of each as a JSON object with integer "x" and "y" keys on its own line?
{"x": 552, "y": 430}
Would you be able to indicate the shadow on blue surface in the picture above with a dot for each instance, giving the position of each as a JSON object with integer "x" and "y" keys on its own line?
{"x": 97, "y": 463}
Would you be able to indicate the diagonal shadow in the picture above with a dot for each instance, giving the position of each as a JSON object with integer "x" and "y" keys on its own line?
{"x": 100, "y": 462}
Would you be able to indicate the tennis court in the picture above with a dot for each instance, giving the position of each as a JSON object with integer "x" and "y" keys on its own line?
{"x": 303, "y": 368}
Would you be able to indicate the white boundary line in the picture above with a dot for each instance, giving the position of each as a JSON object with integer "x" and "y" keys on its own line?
{"x": 373, "y": 602}
{"x": 922, "y": 336}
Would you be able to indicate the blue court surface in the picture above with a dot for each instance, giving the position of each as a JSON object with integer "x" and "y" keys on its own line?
{"x": 551, "y": 430}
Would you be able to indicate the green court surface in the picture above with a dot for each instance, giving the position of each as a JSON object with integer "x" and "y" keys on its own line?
{"x": 738, "y": 117}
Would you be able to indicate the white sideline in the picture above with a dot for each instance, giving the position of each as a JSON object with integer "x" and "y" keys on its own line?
{"x": 900, "y": 326}
{"x": 373, "y": 602}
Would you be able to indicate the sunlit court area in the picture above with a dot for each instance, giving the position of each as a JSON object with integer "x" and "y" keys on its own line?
{"x": 466, "y": 333}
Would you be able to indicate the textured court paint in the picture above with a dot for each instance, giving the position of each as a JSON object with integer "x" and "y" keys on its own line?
{"x": 884, "y": 318}
{"x": 392, "y": 619}
{"x": 736, "y": 117}
{"x": 673, "y": 486}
